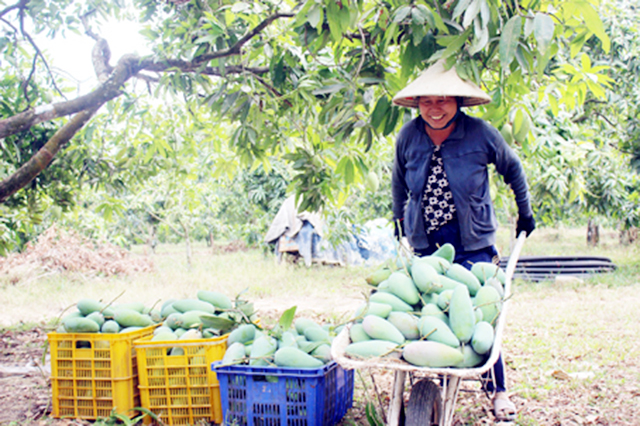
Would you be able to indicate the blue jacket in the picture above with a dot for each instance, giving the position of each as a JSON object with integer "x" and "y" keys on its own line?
{"x": 472, "y": 146}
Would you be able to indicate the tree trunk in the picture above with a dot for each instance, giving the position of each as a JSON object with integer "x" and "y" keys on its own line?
{"x": 152, "y": 241}
{"x": 593, "y": 233}
{"x": 628, "y": 236}
{"x": 187, "y": 241}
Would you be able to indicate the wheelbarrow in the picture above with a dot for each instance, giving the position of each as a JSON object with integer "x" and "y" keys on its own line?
{"x": 432, "y": 399}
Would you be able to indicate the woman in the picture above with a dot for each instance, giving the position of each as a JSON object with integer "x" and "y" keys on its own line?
{"x": 440, "y": 181}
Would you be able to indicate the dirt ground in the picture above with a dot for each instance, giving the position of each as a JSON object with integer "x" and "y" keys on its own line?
{"x": 25, "y": 391}
{"x": 25, "y": 399}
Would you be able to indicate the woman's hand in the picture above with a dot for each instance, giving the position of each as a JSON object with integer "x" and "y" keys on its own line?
{"x": 398, "y": 228}
{"x": 525, "y": 224}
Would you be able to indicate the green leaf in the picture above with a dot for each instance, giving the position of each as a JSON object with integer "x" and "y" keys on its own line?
{"x": 569, "y": 97}
{"x": 380, "y": 112}
{"x": 420, "y": 14}
{"x": 455, "y": 43}
{"x": 213, "y": 321}
{"x": 485, "y": 13}
{"x": 527, "y": 29}
{"x": 286, "y": 319}
{"x": 596, "y": 89}
{"x": 389, "y": 35}
{"x": 594, "y": 23}
{"x": 392, "y": 120}
{"x": 366, "y": 136}
{"x": 524, "y": 58}
{"x": 149, "y": 33}
{"x": 480, "y": 40}
{"x": 245, "y": 307}
{"x": 240, "y": 7}
{"x": 401, "y": 14}
{"x": 543, "y": 28}
{"x": 541, "y": 65}
{"x": 578, "y": 42}
{"x": 417, "y": 33}
{"x": 278, "y": 75}
{"x": 346, "y": 169}
{"x": 439, "y": 23}
{"x": 509, "y": 41}
{"x": 585, "y": 62}
{"x": 303, "y": 13}
{"x": 344, "y": 15}
{"x": 209, "y": 38}
{"x": 335, "y": 21}
{"x": 373, "y": 419}
{"x": 212, "y": 25}
{"x": 329, "y": 89}
{"x": 315, "y": 16}
{"x": 121, "y": 417}
{"x": 521, "y": 126}
{"x": 461, "y": 70}
{"x": 349, "y": 172}
{"x": 460, "y": 8}
{"x": 471, "y": 12}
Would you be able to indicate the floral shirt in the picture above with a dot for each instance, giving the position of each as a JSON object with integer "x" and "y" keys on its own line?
{"x": 437, "y": 201}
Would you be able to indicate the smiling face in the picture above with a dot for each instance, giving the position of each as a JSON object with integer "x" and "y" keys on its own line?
{"x": 437, "y": 111}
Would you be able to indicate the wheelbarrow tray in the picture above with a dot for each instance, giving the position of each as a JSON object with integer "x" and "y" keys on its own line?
{"x": 449, "y": 375}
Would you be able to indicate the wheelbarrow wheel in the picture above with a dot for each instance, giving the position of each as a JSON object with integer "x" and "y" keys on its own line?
{"x": 425, "y": 404}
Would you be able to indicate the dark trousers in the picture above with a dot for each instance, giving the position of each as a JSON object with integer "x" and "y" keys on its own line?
{"x": 450, "y": 233}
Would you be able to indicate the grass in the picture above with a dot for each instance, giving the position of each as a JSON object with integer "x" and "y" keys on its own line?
{"x": 572, "y": 349}
{"x": 232, "y": 273}
{"x": 576, "y": 346}
{"x": 41, "y": 296}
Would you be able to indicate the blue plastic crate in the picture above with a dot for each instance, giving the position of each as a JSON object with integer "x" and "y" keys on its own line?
{"x": 274, "y": 396}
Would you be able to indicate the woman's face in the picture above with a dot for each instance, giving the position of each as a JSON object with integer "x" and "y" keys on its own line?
{"x": 437, "y": 111}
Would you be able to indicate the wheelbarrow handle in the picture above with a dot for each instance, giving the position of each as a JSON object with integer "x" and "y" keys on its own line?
{"x": 513, "y": 261}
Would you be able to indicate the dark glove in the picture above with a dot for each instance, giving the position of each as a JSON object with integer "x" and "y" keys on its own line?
{"x": 398, "y": 228}
{"x": 525, "y": 224}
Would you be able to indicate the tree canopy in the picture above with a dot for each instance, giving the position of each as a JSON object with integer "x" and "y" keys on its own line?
{"x": 305, "y": 82}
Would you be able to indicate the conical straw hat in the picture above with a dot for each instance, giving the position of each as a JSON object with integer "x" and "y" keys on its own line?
{"x": 437, "y": 81}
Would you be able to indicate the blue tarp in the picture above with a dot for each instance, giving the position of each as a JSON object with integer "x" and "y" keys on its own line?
{"x": 369, "y": 244}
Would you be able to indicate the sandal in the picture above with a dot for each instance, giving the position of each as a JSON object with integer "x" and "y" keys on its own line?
{"x": 503, "y": 408}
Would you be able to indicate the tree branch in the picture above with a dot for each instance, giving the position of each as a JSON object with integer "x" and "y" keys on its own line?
{"x": 272, "y": 90}
{"x": 605, "y": 119}
{"x": 100, "y": 56}
{"x": 154, "y": 65}
{"x": 44, "y": 61}
{"x": 20, "y": 5}
{"x": 126, "y": 68}
{"x": 84, "y": 107}
{"x": 112, "y": 80}
{"x": 166, "y": 222}
{"x": 41, "y": 159}
{"x": 235, "y": 49}
{"x": 101, "y": 53}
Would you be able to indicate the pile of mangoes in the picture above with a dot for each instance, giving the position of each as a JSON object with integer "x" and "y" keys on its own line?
{"x": 210, "y": 314}
{"x": 303, "y": 343}
{"x": 93, "y": 316}
{"x": 430, "y": 311}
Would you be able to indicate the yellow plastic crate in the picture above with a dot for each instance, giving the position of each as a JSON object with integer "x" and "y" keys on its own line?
{"x": 181, "y": 389}
{"x": 93, "y": 373}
